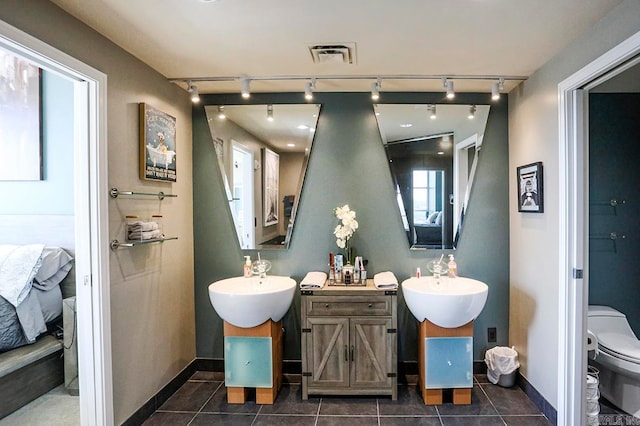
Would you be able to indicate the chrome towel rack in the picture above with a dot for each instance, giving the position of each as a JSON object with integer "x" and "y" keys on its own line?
{"x": 114, "y": 192}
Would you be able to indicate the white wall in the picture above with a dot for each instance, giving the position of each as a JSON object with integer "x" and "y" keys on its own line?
{"x": 534, "y": 239}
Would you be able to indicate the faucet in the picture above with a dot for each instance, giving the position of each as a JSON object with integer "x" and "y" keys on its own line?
{"x": 261, "y": 267}
{"x": 437, "y": 268}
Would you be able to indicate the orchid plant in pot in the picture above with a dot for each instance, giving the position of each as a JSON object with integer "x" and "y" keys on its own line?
{"x": 345, "y": 230}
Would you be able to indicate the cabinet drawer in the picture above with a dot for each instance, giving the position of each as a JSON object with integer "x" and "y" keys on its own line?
{"x": 348, "y": 305}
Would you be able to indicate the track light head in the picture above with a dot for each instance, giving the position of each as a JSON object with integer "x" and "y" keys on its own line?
{"x": 496, "y": 88}
{"x": 432, "y": 112}
{"x": 472, "y": 112}
{"x": 309, "y": 88}
{"x": 221, "y": 114}
{"x": 244, "y": 87}
{"x": 448, "y": 85}
{"x": 375, "y": 89}
{"x": 193, "y": 90}
{"x": 270, "y": 112}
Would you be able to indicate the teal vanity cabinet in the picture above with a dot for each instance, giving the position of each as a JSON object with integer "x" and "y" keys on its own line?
{"x": 349, "y": 341}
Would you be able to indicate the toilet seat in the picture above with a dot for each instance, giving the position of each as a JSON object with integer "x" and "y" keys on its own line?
{"x": 620, "y": 346}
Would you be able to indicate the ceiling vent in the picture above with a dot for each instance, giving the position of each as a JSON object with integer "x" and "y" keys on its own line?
{"x": 338, "y": 53}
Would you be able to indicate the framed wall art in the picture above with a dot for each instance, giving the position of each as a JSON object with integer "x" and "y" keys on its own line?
{"x": 20, "y": 118}
{"x": 530, "y": 188}
{"x": 270, "y": 182}
{"x": 157, "y": 145}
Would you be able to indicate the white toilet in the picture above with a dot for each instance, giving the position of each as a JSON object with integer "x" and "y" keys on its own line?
{"x": 617, "y": 358}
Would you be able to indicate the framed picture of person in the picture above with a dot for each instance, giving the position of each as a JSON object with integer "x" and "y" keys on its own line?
{"x": 530, "y": 189}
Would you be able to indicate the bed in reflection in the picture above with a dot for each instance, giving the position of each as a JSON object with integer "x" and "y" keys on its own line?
{"x": 429, "y": 233}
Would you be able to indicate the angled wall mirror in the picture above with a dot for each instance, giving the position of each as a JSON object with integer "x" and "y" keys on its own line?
{"x": 432, "y": 150}
{"x": 263, "y": 152}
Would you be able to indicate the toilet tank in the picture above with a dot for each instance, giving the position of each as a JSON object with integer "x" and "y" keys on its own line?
{"x": 606, "y": 319}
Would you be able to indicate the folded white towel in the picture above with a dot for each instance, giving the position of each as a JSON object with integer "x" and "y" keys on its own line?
{"x": 142, "y": 226}
{"x": 385, "y": 280}
{"x": 145, "y": 235}
{"x": 314, "y": 280}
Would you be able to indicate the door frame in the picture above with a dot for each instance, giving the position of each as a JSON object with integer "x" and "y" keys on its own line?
{"x": 248, "y": 196}
{"x": 90, "y": 216}
{"x": 573, "y": 226}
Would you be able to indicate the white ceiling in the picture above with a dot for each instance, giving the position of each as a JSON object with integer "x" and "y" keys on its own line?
{"x": 285, "y": 128}
{"x": 196, "y": 38}
{"x": 406, "y": 121}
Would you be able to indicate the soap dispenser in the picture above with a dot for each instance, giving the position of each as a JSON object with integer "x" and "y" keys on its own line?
{"x": 247, "y": 267}
{"x": 453, "y": 267}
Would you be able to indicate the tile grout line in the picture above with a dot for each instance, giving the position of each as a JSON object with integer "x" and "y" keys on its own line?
{"x": 491, "y": 402}
{"x": 439, "y": 416}
{"x": 205, "y": 403}
{"x": 257, "y": 413}
{"x": 318, "y": 412}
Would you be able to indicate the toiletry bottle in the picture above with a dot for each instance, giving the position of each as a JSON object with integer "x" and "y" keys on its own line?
{"x": 247, "y": 266}
{"x": 347, "y": 277}
{"x": 363, "y": 272}
{"x": 418, "y": 273}
{"x": 339, "y": 260}
{"x": 332, "y": 269}
{"x": 453, "y": 267}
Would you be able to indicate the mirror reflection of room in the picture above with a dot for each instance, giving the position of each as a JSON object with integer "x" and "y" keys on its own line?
{"x": 432, "y": 150}
{"x": 262, "y": 153}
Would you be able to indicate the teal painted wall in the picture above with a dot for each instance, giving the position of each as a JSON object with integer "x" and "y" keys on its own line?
{"x": 348, "y": 165}
{"x": 614, "y": 154}
{"x": 53, "y": 194}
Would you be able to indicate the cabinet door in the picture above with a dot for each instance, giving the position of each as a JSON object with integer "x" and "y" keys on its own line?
{"x": 328, "y": 351}
{"x": 372, "y": 348}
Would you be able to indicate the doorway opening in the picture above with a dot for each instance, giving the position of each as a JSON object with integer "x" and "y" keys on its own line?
{"x": 90, "y": 213}
{"x": 574, "y": 224}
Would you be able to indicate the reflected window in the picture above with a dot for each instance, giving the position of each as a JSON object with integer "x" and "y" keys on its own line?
{"x": 426, "y": 187}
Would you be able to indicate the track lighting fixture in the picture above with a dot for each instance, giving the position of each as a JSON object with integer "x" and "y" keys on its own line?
{"x": 193, "y": 90}
{"x": 496, "y": 88}
{"x": 244, "y": 87}
{"x": 270, "y": 112}
{"x": 221, "y": 114}
{"x": 472, "y": 112}
{"x": 448, "y": 85}
{"x": 432, "y": 112}
{"x": 375, "y": 89}
{"x": 309, "y": 88}
{"x": 496, "y": 82}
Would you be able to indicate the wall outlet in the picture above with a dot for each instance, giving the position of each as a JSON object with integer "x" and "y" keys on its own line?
{"x": 492, "y": 335}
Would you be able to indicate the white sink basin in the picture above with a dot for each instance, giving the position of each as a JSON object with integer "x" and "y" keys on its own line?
{"x": 450, "y": 304}
{"x": 248, "y": 302}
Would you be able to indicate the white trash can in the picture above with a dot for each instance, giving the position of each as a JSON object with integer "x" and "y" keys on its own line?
{"x": 502, "y": 365}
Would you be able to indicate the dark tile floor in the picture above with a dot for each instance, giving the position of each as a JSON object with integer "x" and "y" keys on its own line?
{"x": 202, "y": 401}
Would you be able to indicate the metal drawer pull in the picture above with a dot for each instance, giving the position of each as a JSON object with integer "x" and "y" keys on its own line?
{"x": 371, "y": 305}
{"x": 326, "y": 306}
{"x": 346, "y": 357}
{"x": 351, "y": 353}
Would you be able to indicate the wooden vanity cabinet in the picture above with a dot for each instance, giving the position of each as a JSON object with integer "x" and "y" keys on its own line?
{"x": 349, "y": 341}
